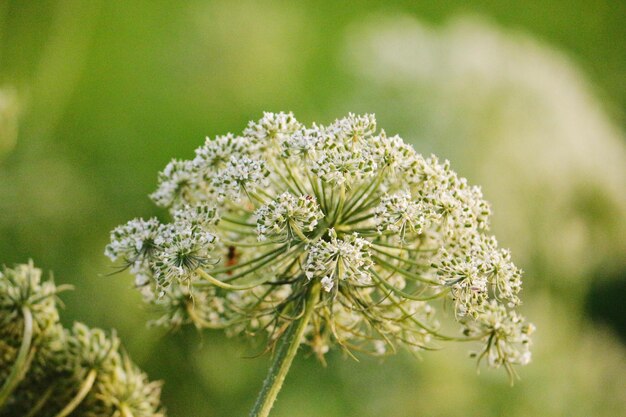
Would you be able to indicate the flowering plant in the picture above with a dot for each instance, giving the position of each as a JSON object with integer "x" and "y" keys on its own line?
{"x": 49, "y": 371}
{"x": 325, "y": 235}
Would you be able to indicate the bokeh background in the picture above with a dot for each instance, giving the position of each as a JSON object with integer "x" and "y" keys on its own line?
{"x": 526, "y": 98}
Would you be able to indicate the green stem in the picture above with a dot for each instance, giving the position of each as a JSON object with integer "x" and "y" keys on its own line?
{"x": 357, "y": 202}
{"x": 125, "y": 411}
{"x": 403, "y": 294}
{"x": 250, "y": 262}
{"x": 80, "y": 395}
{"x": 291, "y": 252}
{"x": 339, "y": 211}
{"x": 40, "y": 403}
{"x": 283, "y": 357}
{"x": 227, "y": 286}
{"x": 237, "y": 221}
{"x": 298, "y": 232}
{"x": 293, "y": 178}
{"x": 22, "y": 361}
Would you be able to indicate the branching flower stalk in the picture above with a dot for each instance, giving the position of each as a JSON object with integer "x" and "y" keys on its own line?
{"x": 49, "y": 371}
{"x": 325, "y": 235}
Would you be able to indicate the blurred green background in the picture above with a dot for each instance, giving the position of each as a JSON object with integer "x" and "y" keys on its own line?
{"x": 527, "y": 99}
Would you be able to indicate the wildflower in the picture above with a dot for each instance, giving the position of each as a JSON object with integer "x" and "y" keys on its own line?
{"x": 338, "y": 260}
{"x": 506, "y": 336}
{"x": 183, "y": 249}
{"x": 240, "y": 177}
{"x": 398, "y": 213}
{"x": 48, "y": 370}
{"x": 176, "y": 182}
{"x": 329, "y": 235}
{"x": 272, "y": 129}
{"x": 287, "y": 218}
{"x": 473, "y": 265}
{"x": 134, "y": 244}
{"x": 302, "y": 143}
{"x": 216, "y": 153}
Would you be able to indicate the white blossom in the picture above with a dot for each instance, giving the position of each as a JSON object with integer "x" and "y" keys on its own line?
{"x": 175, "y": 181}
{"x": 339, "y": 259}
{"x": 184, "y": 248}
{"x": 354, "y": 128}
{"x": 134, "y": 243}
{"x": 216, "y": 153}
{"x": 288, "y": 217}
{"x": 327, "y": 283}
{"x": 272, "y": 129}
{"x": 303, "y": 142}
{"x": 473, "y": 265}
{"x": 343, "y": 164}
{"x": 400, "y": 213}
{"x": 506, "y": 334}
{"x": 240, "y": 176}
{"x": 382, "y": 234}
{"x": 202, "y": 215}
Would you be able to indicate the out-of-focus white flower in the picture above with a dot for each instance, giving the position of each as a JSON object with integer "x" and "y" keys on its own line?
{"x": 517, "y": 117}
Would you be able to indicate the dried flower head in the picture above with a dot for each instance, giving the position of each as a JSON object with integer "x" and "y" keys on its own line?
{"x": 48, "y": 371}
{"x": 340, "y": 226}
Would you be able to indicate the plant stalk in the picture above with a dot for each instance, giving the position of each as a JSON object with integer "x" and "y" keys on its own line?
{"x": 283, "y": 357}
{"x": 40, "y": 403}
{"x": 80, "y": 395}
{"x": 22, "y": 361}
{"x": 125, "y": 411}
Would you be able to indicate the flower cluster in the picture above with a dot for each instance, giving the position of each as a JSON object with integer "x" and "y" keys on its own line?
{"x": 336, "y": 260}
{"x": 46, "y": 370}
{"x": 474, "y": 265}
{"x": 400, "y": 214}
{"x": 165, "y": 252}
{"x": 510, "y": 336}
{"x": 286, "y": 218}
{"x": 344, "y": 216}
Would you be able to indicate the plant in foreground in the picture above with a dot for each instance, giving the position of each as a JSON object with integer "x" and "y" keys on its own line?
{"x": 49, "y": 371}
{"x": 325, "y": 235}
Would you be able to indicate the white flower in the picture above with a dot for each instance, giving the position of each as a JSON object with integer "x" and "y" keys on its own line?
{"x": 400, "y": 213}
{"x": 202, "y": 215}
{"x": 288, "y": 217}
{"x": 134, "y": 243}
{"x": 302, "y": 143}
{"x": 216, "y": 153}
{"x": 343, "y": 164}
{"x": 240, "y": 176}
{"x": 471, "y": 266}
{"x": 327, "y": 283}
{"x": 354, "y": 128}
{"x": 184, "y": 249}
{"x": 339, "y": 259}
{"x": 506, "y": 334}
{"x": 177, "y": 181}
{"x": 398, "y": 157}
{"x": 273, "y": 127}
{"x": 263, "y": 220}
